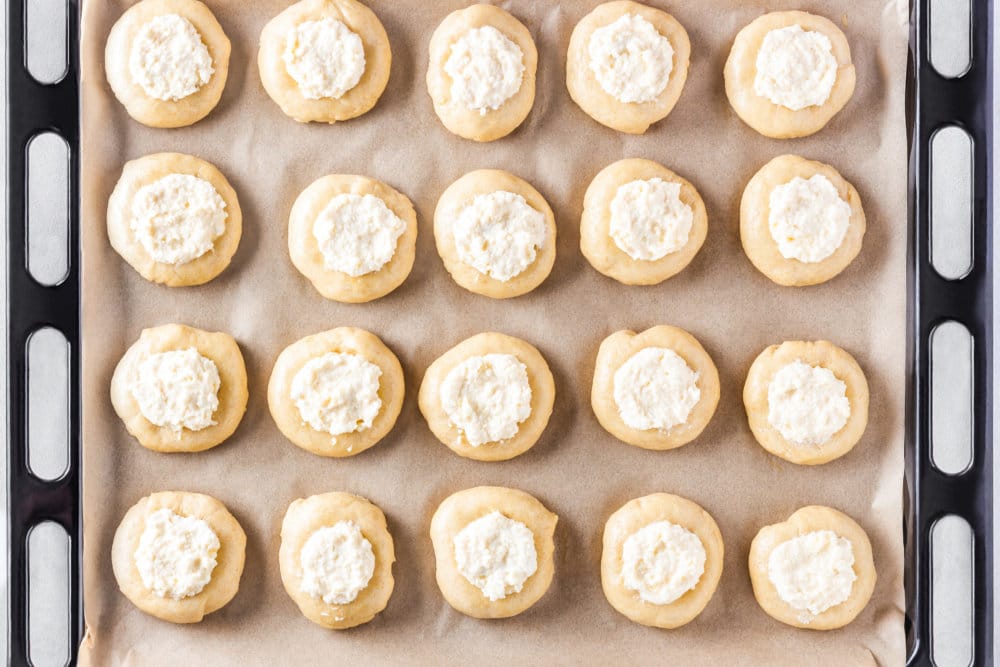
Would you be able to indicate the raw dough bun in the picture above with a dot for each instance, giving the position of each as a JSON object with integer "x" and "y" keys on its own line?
{"x": 618, "y": 348}
{"x": 284, "y": 90}
{"x": 307, "y": 515}
{"x": 469, "y": 123}
{"x": 637, "y": 514}
{"x": 755, "y": 231}
{"x": 817, "y": 353}
{"x": 461, "y": 193}
{"x": 768, "y": 118}
{"x": 308, "y": 258}
{"x": 225, "y": 581}
{"x": 807, "y": 520}
{"x": 462, "y": 508}
{"x": 543, "y": 392}
{"x": 595, "y": 239}
{"x": 346, "y": 340}
{"x": 150, "y": 110}
{"x": 222, "y": 349}
{"x": 630, "y": 117}
{"x": 145, "y": 170}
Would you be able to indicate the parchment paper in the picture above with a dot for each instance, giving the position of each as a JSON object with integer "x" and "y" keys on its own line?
{"x": 578, "y": 470}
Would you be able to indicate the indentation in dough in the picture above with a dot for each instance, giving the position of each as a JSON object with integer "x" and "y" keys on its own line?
{"x": 176, "y": 554}
{"x": 813, "y": 572}
{"x": 807, "y": 219}
{"x": 807, "y": 404}
{"x": 177, "y": 218}
{"x": 496, "y": 555}
{"x": 630, "y": 59}
{"x": 796, "y": 68}
{"x": 168, "y": 60}
{"x": 655, "y": 389}
{"x": 357, "y": 234}
{"x": 324, "y": 57}
{"x": 662, "y": 561}
{"x": 648, "y": 219}
{"x": 487, "y": 397}
{"x": 485, "y": 68}
{"x": 337, "y": 563}
{"x": 499, "y": 234}
{"x": 177, "y": 389}
{"x": 337, "y": 393}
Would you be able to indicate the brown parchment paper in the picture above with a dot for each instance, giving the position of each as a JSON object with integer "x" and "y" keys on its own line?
{"x": 577, "y": 470}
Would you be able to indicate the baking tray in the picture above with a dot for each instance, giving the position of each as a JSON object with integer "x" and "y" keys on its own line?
{"x": 933, "y": 102}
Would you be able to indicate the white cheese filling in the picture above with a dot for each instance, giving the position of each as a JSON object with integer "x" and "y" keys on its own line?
{"x": 177, "y": 218}
{"x": 648, "y": 219}
{"x": 807, "y": 218}
{"x": 662, "y": 561}
{"x": 177, "y": 389}
{"x": 487, "y": 397}
{"x": 357, "y": 234}
{"x": 655, "y": 389}
{"x": 168, "y": 60}
{"x": 324, "y": 57}
{"x": 807, "y": 404}
{"x": 337, "y": 563}
{"x": 499, "y": 234}
{"x": 176, "y": 554}
{"x": 813, "y": 572}
{"x": 496, "y": 555}
{"x": 630, "y": 59}
{"x": 485, "y": 68}
{"x": 337, "y": 393}
{"x": 796, "y": 68}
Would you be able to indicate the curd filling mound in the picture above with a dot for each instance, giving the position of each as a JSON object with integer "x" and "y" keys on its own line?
{"x": 630, "y": 59}
{"x": 655, "y": 389}
{"x": 499, "y": 234}
{"x": 487, "y": 397}
{"x": 807, "y": 218}
{"x": 813, "y": 572}
{"x": 496, "y": 555}
{"x": 648, "y": 219}
{"x": 337, "y": 393}
{"x": 357, "y": 234}
{"x": 324, "y": 57}
{"x": 662, "y": 561}
{"x": 796, "y": 68}
{"x": 177, "y": 218}
{"x": 485, "y": 68}
{"x": 337, "y": 563}
{"x": 177, "y": 389}
{"x": 176, "y": 554}
{"x": 807, "y": 404}
{"x": 168, "y": 60}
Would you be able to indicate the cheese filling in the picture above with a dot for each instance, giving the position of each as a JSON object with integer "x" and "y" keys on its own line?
{"x": 655, "y": 389}
{"x": 168, "y": 60}
{"x": 499, "y": 234}
{"x": 662, "y": 561}
{"x": 176, "y": 554}
{"x": 813, "y": 572}
{"x": 485, "y": 68}
{"x": 807, "y": 218}
{"x": 648, "y": 219}
{"x": 807, "y": 404}
{"x": 496, "y": 555}
{"x": 357, "y": 234}
{"x": 796, "y": 68}
{"x": 177, "y": 218}
{"x": 177, "y": 389}
{"x": 487, "y": 397}
{"x": 630, "y": 59}
{"x": 337, "y": 563}
{"x": 337, "y": 393}
{"x": 324, "y": 57}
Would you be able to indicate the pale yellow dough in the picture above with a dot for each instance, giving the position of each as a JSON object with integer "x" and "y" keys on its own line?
{"x": 225, "y": 580}
{"x": 630, "y": 117}
{"x": 637, "y": 514}
{"x": 306, "y": 254}
{"x": 150, "y": 110}
{"x": 774, "y": 120}
{"x": 307, "y": 515}
{"x": 600, "y": 249}
{"x": 760, "y": 246}
{"x": 145, "y": 170}
{"x": 618, "y": 348}
{"x": 345, "y": 340}
{"x": 284, "y": 90}
{"x": 464, "y": 507}
{"x": 540, "y": 380}
{"x": 470, "y": 123}
{"x": 222, "y": 349}
{"x": 807, "y": 520}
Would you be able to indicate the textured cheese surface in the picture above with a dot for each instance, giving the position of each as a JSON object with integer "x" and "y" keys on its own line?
{"x": 813, "y": 572}
{"x": 648, "y": 219}
{"x": 337, "y": 393}
{"x": 357, "y": 234}
{"x": 662, "y": 561}
{"x": 630, "y": 59}
{"x": 487, "y": 397}
{"x": 807, "y": 218}
{"x": 324, "y": 57}
{"x": 168, "y": 60}
{"x": 337, "y": 563}
{"x": 176, "y": 554}
{"x": 499, "y": 234}
{"x": 807, "y": 404}
{"x": 796, "y": 68}
{"x": 485, "y": 68}
{"x": 177, "y": 218}
{"x": 655, "y": 389}
{"x": 496, "y": 555}
{"x": 177, "y": 389}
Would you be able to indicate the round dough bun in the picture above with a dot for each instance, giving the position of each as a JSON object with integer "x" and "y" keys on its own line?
{"x": 345, "y": 340}
{"x": 462, "y": 508}
{"x": 543, "y": 393}
{"x": 807, "y": 520}
{"x": 225, "y": 581}
{"x": 308, "y": 258}
{"x": 770, "y": 119}
{"x": 817, "y": 353}
{"x": 629, "y": 117}
{"x": 469, "y": 123}
{"x": 148, "y": 169}
{"x": 460, "y": 194}
{"x": 150, "y": 110}
{"x": 307, "y": 515}
{"x": 222, "y": 349}
{"x": 637, "y": 514}
{"x": 284, "y": 90}
{"x": 595, "y": 225}
{"x": 755, "y": 232}
{"x": 618, "y": 348}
